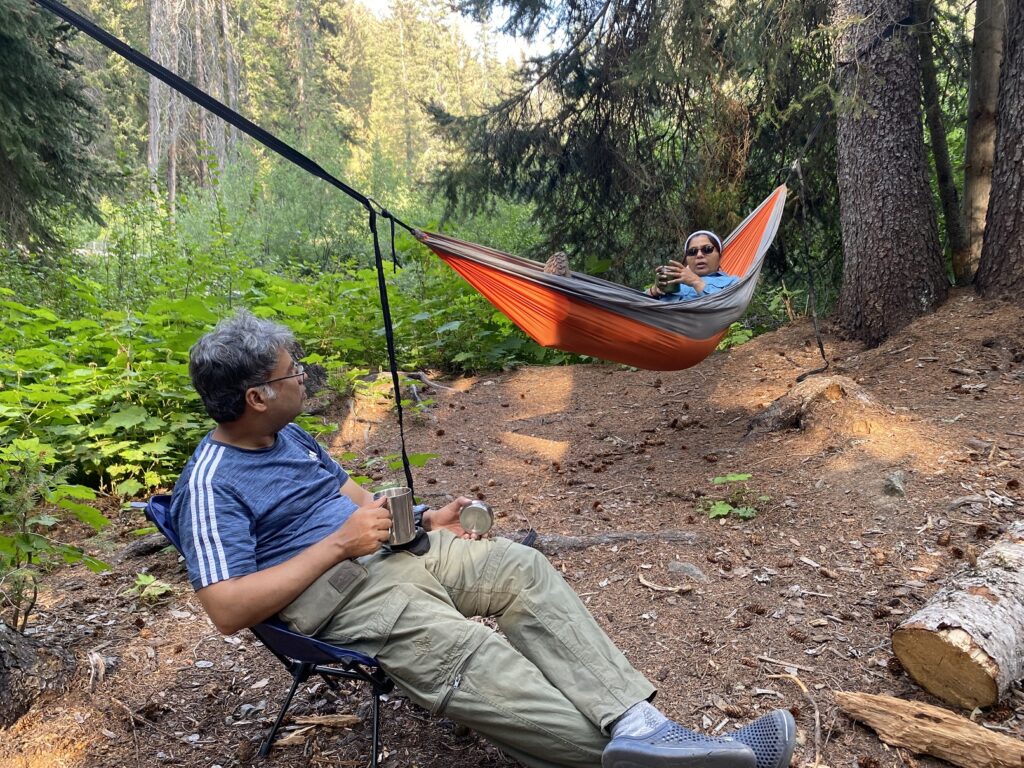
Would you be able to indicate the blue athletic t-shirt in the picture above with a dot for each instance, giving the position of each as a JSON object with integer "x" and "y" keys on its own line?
{"x": 237, "y": 511}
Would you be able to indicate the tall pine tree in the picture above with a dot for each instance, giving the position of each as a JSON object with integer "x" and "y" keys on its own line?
{"x": 47, "y": 126}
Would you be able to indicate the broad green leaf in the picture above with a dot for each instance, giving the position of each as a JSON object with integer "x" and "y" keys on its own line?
{"x": 74, "y": 492}
{"x": 735, "y": 477}
{"x": 88, "y": 515}
{"x": 128, "y": 488}
{"x": 131, "y": 416}
{"x": 720, "y": 509}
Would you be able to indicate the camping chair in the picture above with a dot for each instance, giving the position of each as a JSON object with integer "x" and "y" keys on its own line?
{"x": 301, "y": 655}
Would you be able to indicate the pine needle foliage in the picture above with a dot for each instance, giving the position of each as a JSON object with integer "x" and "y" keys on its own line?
{"x": 47, "y": 127}
{"x": 644, "y": 122}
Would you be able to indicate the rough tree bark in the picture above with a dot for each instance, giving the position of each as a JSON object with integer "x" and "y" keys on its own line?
{"x": 1001, "y": 270}
{"x": 201, "y": 81}
{"x": 986, "y": 55}
{"x": 27, "y": 672}
{"x": 966, "y": 645}
{"x": 232, "y": 86}
{"x": 893, "y": 270}
{"x": 956, "y": 232}
{"x": 157, "y": 92}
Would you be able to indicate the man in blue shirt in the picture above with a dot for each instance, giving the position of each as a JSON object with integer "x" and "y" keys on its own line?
{"x": 270, "y": 524}
{"x": 697, "y": 275}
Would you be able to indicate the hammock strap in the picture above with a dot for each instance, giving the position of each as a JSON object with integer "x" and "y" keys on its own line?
{"x": 805, "y": 252}
{"x": 271, "y": 142}
{"x": 389, "y": 334}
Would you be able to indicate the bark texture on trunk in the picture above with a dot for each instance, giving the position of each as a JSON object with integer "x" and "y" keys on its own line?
{"x": 956, "y": 232}
{"x": 986, "y": 56}
{"x": 1001, "y": 270}
{"x": 893, "y": 270}
{"x": 966, "y": 645}
{"x": 27, "y": 672}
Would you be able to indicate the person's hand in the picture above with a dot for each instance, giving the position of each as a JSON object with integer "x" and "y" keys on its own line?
{"x": 677, "y": 273}
{"x": 448, "y": 517}
{"x": 366, "y": 529}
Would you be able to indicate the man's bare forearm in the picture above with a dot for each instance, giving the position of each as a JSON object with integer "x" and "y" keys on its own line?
{"x": 241, "y": 602}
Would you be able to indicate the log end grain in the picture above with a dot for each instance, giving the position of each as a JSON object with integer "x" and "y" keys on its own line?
{"x": 948, "y": 664}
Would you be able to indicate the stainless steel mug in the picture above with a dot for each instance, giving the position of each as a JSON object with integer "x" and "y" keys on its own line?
{"x": 476, "y": 517}
{"x": 403, "y": 528}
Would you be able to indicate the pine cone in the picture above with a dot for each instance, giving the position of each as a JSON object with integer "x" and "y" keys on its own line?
{"x": 558, "y": 264}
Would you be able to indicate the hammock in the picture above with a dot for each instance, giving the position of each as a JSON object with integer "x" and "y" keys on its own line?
{"x": 590, "y": 316}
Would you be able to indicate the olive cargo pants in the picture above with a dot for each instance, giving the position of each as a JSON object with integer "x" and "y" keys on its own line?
{"x": 545, "y": 696}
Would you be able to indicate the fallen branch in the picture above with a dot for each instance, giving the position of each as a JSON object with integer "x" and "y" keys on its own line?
{"x": 416, "y": 375}
{"x": 550, "y": 543}
{"x": 331, "y": 721}
{"x": 780, "y": 663}
{"x": 660, "y": 588}
{"x": 933, "y": 731}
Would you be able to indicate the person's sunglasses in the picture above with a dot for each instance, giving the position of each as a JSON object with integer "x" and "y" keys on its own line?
{"x": 707, "y": 250}
{"x": 299, "y": 369}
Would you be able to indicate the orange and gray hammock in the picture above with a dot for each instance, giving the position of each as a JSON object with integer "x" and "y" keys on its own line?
{"x": 590, "y": 316}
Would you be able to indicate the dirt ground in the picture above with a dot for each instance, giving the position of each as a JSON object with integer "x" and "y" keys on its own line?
{"x": 865, "y": 518}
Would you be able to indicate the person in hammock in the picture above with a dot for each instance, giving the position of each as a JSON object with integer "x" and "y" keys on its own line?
{"x": 697, "y": 275}
{"x": 270, "y": 524}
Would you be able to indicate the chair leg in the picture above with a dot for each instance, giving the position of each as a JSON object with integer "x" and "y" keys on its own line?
{"x": 376, "y": 727}
{"x": 298, "y": 675}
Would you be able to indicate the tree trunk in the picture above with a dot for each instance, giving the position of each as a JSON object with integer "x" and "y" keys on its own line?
{"x": 949, "y": 646}
{"x": 1001, "y": 270}
{"x": 986, "y": 55}
{"x": 156, "y": 95}
{"x": 956, "y": 233}
{"x": 231, "y": 73}
{"x": 892, "y": 269}
{"x": 28, "y": 671}
{"x": 199, "y": 56}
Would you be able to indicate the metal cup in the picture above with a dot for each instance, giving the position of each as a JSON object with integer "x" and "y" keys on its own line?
{"x": 399, "y": 501}
{"x": 476, "y": 517}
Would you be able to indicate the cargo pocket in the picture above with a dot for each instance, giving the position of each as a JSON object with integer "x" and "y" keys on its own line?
{"x": 376, "y": 631}
{"x": 311, "y": 610}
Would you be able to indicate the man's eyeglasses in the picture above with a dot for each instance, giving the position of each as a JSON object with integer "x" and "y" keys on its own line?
{"x": 707, "y": 250}
{"x": 297, "y": 367}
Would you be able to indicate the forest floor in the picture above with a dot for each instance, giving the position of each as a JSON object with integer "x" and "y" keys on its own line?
{"x": 866, "y": 516}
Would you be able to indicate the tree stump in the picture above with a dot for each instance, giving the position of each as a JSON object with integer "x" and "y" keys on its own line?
{"x": 28, "y": 671}
{"x": 966, "y": 645}
{"x": 811, "y": 400}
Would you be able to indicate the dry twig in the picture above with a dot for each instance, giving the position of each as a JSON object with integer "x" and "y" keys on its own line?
{"x": 817, "y": 713}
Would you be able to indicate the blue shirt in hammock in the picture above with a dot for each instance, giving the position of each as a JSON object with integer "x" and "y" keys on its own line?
{"x": 713, "y": 283}
{"x": 237, "y": 511}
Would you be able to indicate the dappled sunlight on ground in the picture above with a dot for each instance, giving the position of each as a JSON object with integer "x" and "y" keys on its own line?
{"x": 52, "y": 737}
{"x": 534, "y": 447}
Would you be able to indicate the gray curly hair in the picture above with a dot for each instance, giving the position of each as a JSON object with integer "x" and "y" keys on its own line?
{"x": 240, "y": 353}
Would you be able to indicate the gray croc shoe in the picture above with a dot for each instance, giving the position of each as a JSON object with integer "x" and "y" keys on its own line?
{"x": 672, "y": 746}
{"x": 772, "y": 738}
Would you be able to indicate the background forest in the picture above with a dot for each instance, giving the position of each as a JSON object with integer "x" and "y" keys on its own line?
{"x": 130, "y": 220}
